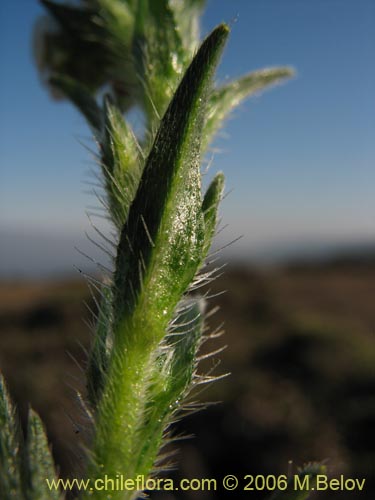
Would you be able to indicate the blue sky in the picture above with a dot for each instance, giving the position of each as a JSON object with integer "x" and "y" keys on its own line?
{"x": 299, "y": 159}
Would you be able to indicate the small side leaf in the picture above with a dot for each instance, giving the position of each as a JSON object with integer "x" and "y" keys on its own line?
{"x": 121, "y": 158}
{"x": 100, "y": 350}
{"x": 184, "y": 339}
{"x": 10, "y": 461}
{"x": 117, "y": 19}
{"x": 188, "y": 16}
{"x": 40, "y": 464}
{"x": 159, "y": 55}
{"x": 210, "y": 207}
{"x": 306, "y": 483}
{"x": 122, "y": 163}
{"x": 225, "y": 98}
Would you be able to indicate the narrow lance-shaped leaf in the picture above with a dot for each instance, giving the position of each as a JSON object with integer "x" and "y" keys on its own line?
{"x": 121, "y": 163}
{"x": 161, "y": 244}
{"x": 10, "y": 460}
{"x": 210, "y": 207}
{"x": 121, "y": 160}
{"x": 117, "y": 18}
{"x": 100, "y": 351}
{"x": 187, "y": 15}
{"x": 159, "y": 56}
{"x": 225, "y": 98}
{"x": 40, "y": 466}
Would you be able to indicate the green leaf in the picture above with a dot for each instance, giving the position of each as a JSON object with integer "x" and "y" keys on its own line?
{"x": 117, "y": 19}
{"x": 162, "y": 242}
{"x": 23, "y": 468}
{"x": 75, "y": 48}
{"x": 159, "y": 55}
{"x": 210, "y": 207}
{"x": 225, "y": 98}
{"x": 183, "y": 340}
{"x": 187, "y": 15}
{"x": 91, "y": 45}
{"x": 121, "y": 160}
{"x": 40, "y": 464}
{"x": 101, "y": 347}
{"x": 122, "y": 163}
{"x": 295, "y": 493}
{"x": 10, "y": 453}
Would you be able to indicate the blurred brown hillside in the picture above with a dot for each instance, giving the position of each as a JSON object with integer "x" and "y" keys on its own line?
{"x": 302, "y": 361}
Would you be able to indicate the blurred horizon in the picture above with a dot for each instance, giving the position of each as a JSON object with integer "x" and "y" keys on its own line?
{"x": 39, "y": 255}
{"x": 299, "y": 159}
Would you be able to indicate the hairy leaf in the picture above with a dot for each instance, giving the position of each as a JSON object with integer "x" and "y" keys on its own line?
{"x": 100, "y": 351}
{"x": 121, "y": 160}
{"x": 225, "y": 98}
{"x": 159, "y": 55}
{"x": 122, "y": 164}
{"x": 10, "y": 453}
{"x": 40, "y": 464}
{"x": 210, "y": 207}
{"x": 187, "y": 15}
{"x": 161, "y": 244}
